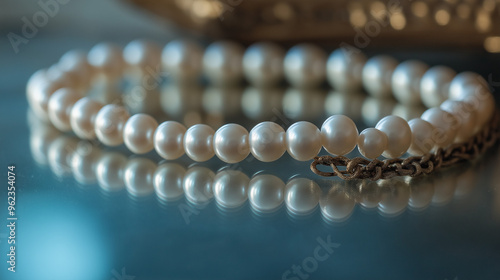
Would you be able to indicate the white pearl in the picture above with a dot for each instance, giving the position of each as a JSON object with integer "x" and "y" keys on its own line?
{"x": 344, "y": 69}
{"x": 377, "y": 75}
{"x": 461, "y": 84}
{"x": 39, "y": 93}
{"x": 106, "y": 58}
{"x": 197, "y": 185}
{"x": 231, "y": 143}
{"x": 302, "y": 195}
{"x": 182, "y": 59}
{"x": 138, "y": 176}
{"x": 374, "y": 109}
{"x": 36, "y": 79}
{"x": 372, "y": 143}
{"x": 266, "y": 192}
{"x": 109, "y": 171}
{"x": 422, "y": 137}
{"x": 222, "y": 62}
{"x": 138, "y": 133}
{"x": 267, "y": 141}
{"x": 406, "y": 81}
{"x": 76, "y": 62}
{"x": 263, "y": 64}
{"x": 482, "y": 103}
{"x": 168, "y": 140}
{"x": 230, "y": 188}
{"x": 303, "y": 140}
{"x": 466, "y": 117}
{"x": 305, "y": 65}
{"x": 143, "y": 54}
{"x": 398, "y": 135}
{"x": 83, "y": 116}
{"x": 339, "y": 135}
{"x": 109, "y": 124}
{"x": 445, "y": 124}
{"x": 168, "y": 181}
{"x": 198, "y": 141}
{"x": 60, "y": 105}
{"x": 435, "y": 85}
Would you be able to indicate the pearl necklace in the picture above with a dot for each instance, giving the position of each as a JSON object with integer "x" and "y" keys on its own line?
{"x": 141, "y": 177}
{"x": 460, "y": 105}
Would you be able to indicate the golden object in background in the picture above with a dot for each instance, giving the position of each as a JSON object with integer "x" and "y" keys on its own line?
{"x": 361, "y": 22}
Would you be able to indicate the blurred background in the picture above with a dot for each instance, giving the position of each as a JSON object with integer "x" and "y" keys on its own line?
{"x": 74, "y": 223}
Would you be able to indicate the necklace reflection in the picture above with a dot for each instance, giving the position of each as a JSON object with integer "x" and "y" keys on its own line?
{"x": 232, "y": 190}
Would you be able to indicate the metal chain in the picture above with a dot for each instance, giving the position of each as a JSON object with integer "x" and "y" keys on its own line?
{"x": 361, "y": 168}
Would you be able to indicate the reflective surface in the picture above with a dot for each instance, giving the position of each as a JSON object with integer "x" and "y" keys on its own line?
{"x": 90, "y": 212}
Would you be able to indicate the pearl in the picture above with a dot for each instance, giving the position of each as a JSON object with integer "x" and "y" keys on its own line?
{"x": 445, "y": 124}
{"x": 466, "y": 117}
{"x": 138, "y": 176}
{"x": 143, "y": 54}
{"x": 303, "y": 140}
{"x": 230, "y": 188}
{"x": 263, "y": 64}
{"x": 304, "y": 65}
{"x": 198, "y": 142}
{"x": 461, "y": 84}
{"x": 107, "y": 58}
{"x": 109, "y": 171}
{"x": 76, "y": 63}
{"x": 83, "y": 116}
{"x": 482, "y": 103}
{"x": 38, "y": 78}
{"x": 302, "y": 196}
{"x": 422, "y": 137}
{"x": 377, "y": 75}
{"x": 60, "y": 105}
{"x": 339, "y": 135}
{"x": 406, "y": 81}
{"x": 39, "y": 93}
{"x": 372, "y": 143}
{"x": 231, "y": 143}
{"x": 344, "y": 69}
{"x": 182, "y": 59}
{"x": 435, "y": 84}
{"x": 109, "y": 124}
{"x": 168, "y": 140}
{"x": 267, "y": 141}
{"x": 222, "y": 62}
{"x": 168, "y": 180}
{"x": 398, "y": 135}
{"x": 197, "y": 185}
{"x": 266, "y": 192}
{"x": 138, "y": 133}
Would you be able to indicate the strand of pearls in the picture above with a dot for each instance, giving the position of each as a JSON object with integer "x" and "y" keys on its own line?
{"x": 460, "y": 105}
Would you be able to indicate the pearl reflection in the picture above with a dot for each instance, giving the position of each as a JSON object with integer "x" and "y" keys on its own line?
{"x": 197, "y": 185}
{"x": 302, "y": 196}
{"x": 336, "y": 205}
{"x": 266, "y": 193}
{"x": 230, "y": 188}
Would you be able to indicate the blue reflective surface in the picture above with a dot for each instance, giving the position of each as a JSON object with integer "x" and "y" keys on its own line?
{"x": 73, "y": 224}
